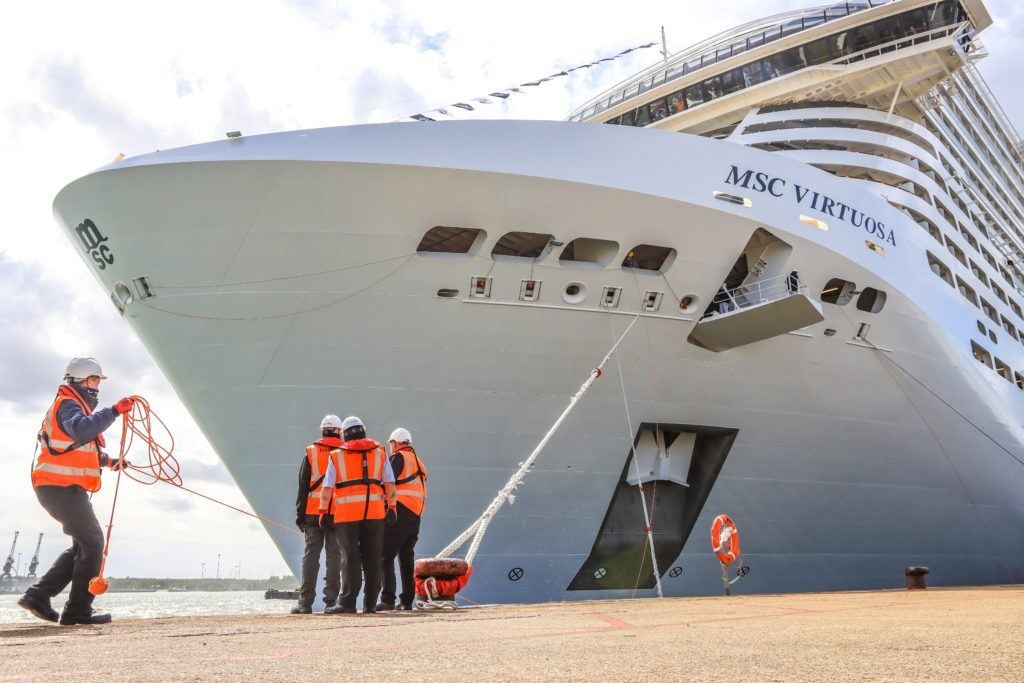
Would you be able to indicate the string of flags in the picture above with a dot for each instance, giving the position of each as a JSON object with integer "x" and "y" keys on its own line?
{"x": 505, "y": 93}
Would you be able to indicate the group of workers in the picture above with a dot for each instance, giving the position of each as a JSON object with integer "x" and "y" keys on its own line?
{"x": 351, "y": 504}
{"x": 361, "y": 508}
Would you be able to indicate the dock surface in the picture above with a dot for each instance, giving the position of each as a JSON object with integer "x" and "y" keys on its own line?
{"x": 935, "y": 634}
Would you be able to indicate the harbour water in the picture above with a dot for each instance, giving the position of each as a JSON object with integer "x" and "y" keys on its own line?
{"x": 161, "y": 604}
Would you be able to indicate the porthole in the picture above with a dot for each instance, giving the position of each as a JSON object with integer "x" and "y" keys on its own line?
{"x": 447, "y": 293}
{"x": 574, "y": 292}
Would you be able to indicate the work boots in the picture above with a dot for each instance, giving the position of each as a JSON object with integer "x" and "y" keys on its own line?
{"x": 91, "y": 617}
{"x": 302, "y": 609}
{"x": 39, "y": 605}
{"x": 385, "y": 606}
{"x": 340, "y": 609}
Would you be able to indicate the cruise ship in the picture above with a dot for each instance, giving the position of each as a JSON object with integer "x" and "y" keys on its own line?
{"x": 814, "y": 223}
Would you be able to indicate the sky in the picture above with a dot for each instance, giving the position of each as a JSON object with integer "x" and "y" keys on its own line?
{"x": 81, "y": 82}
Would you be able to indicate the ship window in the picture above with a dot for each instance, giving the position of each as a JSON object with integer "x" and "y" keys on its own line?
{"x": 966, "y": 291}
{"x": 713, "y": 88}
{"x": 732, "y": 81}
{"x": 649, "y": 258}
{"x": 1017, "y": 309}
{"x": 816, "y": 52}
{"x": 993, "y": 337}
{"x": 525, "y": 245}
{"x": 863, "y": 37}
{"x": 643, "y": 117}
{"x": 676, "y": 103}
{"x": 1010, "y": 329}
{"x": 978, "y": 272}
{"x": 1018, "y": 379}
{"x": 838, "y": 291}
{"x": 940, "y": 269}
{"x": 871, "y": 300}
{"x": 753, "y": 74}
{"x": 694, "y": 96}
{"x": 446, "y": 240}
{"x": 1000, "y": 294}
{"x": 888, "y": 30}
{"x": 980, "y": 354}
{"x": 990, "y": 311}
{"x": 1003, "y": 370}
{"x": 981, "y": 327}
{"x": 840, "y": 44}
{"x": 956, "y": 251}
{"x": 626, "y": 119}
{"x": 973, "y": 243}
{"x": 658, "y": 109}
{"x": 584, "y": 250}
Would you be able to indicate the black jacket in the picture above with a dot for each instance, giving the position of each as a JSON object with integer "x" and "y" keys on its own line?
{"x": 300, "y": 500}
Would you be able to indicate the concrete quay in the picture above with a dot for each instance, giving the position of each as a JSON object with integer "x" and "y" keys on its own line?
{"x": 935, "y": 634}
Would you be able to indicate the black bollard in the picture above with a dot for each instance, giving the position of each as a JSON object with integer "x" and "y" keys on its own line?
{"x": 915, "y": 577}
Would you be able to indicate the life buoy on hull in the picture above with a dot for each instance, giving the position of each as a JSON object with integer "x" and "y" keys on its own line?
{"x": 725, "y": 539}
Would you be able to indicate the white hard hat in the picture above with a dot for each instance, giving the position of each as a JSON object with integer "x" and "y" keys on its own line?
{"x": 83, "y": 368}
{"x": 330, "y": 422}
{"x": 401, "y": 435}
{"x": 352, "y": 421}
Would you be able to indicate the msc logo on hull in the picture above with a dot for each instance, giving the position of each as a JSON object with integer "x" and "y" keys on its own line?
{"x": 762, "y": 182}
{"x": 94, "y": 243}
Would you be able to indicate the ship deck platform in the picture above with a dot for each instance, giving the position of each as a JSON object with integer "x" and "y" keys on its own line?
{"x": 934, "y": 634}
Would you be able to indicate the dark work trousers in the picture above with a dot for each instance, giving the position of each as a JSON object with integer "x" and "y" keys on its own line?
{"x": 318, "y": 540}
{"x": 400, "y": 540}
{"x": 77, "y": 565}
{"x": 360, "y": 546}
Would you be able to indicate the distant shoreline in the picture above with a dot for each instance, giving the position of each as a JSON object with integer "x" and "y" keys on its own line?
{"x": 155, "y": 585}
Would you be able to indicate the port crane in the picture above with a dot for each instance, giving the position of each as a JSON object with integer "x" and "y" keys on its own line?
{"x": 9, "y": 563}
{"x": 34, "y": 564}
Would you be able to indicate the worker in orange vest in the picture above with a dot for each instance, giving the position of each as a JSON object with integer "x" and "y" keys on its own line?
{"x": 307, "y": 517}
{"x": 360, "y": 485}
{"x": 400, "y": 538}
{"x": 66, "y": 471}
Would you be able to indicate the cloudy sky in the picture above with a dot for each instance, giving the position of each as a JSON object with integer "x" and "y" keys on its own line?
{"x": 81, "y": 82}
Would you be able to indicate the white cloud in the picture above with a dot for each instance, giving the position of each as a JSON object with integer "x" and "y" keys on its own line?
{"x": 81, "y": 82}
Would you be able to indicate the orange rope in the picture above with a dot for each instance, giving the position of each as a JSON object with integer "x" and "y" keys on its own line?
{"x": 158, "y": 465}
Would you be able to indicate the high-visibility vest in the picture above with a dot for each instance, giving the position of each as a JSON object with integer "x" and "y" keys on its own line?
{"x": 62, "y": 461}
{"x": 411, "y": 482}
{"x": 318, "y": 454}
{"x": 359, "y": 489}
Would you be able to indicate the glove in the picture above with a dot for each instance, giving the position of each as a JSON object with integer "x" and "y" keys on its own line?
{"x": 326, "y": 521}
{"x": 390, "y": 517}
{"x": 124, "y": 405}
{"x": 117, "y": 464}
{"x": 300, "y": 521}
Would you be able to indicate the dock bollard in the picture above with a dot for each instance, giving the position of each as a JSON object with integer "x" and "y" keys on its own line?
{"x": 915, "y": 577}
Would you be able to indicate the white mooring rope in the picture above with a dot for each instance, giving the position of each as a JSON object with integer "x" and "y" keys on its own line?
{"x": 479, "y": 527}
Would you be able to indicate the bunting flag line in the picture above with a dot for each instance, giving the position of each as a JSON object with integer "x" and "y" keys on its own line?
{"x": 505, "y": 93}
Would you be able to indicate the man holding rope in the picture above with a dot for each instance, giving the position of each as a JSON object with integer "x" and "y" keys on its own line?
{"x": 65, "y": 473}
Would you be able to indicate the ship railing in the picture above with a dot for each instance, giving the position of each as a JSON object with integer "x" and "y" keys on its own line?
{"x": 749, "y": 294}
{"x": 962, "y": 31}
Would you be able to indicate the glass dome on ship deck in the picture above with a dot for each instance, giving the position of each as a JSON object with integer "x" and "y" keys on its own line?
{"x": 748, "y": 37}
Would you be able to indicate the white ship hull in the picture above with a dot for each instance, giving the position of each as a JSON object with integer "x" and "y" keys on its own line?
{"x": 843, "y": 469}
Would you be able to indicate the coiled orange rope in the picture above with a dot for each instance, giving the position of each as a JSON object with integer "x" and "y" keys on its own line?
{"x": 157, "y": 465}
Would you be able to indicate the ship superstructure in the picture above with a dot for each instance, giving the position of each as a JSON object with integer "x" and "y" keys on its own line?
{"x": 815, "y": 219}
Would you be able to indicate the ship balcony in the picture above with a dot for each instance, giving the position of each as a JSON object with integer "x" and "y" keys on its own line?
{"x": 754, "y": 312}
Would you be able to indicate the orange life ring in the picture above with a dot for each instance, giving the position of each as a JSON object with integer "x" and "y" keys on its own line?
{"x": 725, "y": 539}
